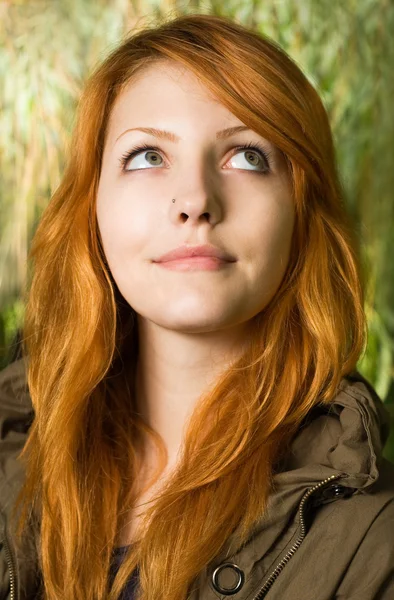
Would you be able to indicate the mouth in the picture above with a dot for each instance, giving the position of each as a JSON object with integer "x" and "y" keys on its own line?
{"x": 196, "y": 251}
{"x": 195, "y": 263}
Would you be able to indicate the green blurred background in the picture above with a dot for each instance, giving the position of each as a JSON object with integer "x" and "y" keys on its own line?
{"x": 346, "y": 49}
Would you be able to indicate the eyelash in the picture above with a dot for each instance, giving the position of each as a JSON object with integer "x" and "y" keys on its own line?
{"x": 250, "y": 146}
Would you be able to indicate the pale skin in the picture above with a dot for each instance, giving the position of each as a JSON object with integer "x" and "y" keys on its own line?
{"x": 192, "y": 324}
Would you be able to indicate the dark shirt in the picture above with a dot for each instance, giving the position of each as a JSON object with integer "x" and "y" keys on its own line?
{"x": 129, "y": 591}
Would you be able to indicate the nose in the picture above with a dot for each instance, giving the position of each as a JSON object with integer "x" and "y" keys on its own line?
{"x": 195, "y": 210}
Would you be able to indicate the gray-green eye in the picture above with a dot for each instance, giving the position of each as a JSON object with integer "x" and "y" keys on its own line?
{"x": 151, "y": 156}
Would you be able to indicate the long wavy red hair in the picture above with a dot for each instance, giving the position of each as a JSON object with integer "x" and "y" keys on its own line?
{"x": 81, "y": 455}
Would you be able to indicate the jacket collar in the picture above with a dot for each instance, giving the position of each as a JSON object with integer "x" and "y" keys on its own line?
{"x": 347, "y": 437}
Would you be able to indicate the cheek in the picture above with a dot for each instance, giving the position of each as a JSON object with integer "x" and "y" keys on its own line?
{"x": 269, "y": 242}
{"x": 125, "y": 226}
{"x": 280, "y": 234}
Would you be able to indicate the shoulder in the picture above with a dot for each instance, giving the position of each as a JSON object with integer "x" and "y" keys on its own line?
{"x": 14, "y": 391}
{"x": 16, "y": 417}
{"x": 371, "y": 571}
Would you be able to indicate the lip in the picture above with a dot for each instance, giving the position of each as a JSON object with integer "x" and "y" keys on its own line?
{"x": 195, "y": 263}
{"x": 187, "y": 251}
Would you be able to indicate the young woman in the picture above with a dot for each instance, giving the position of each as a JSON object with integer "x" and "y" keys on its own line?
{"x": 187, "y": 409}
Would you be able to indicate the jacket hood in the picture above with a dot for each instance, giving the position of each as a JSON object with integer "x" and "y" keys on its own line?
{"x": 348, "y": 436}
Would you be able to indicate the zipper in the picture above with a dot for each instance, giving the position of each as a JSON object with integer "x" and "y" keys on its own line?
{"x": 262, "y": 592}
{"x": 11, "y": 568}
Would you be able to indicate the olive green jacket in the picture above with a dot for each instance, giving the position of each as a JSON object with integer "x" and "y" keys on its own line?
{"x": 329, "y": 530}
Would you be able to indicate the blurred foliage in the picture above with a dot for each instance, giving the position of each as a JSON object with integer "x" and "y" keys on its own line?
{"x": 47, "y": 49}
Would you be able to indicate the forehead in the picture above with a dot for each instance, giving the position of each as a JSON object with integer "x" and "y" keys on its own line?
{"x": 165, "y": 92}
{"x": 161, "y": 75}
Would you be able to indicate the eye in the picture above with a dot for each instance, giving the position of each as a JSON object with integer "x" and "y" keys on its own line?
{"x": 255, "y": 156}
{"x": 150, "y": 154}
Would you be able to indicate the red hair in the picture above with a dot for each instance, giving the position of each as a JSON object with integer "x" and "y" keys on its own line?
{"x": 80, "y": 455}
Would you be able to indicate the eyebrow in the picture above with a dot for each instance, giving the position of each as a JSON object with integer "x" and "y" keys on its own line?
{"x": 168, "y": 135}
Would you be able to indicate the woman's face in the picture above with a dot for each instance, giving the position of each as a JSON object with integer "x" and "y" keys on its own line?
{"x": 231, "y": 198}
